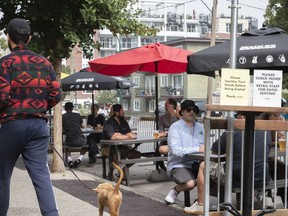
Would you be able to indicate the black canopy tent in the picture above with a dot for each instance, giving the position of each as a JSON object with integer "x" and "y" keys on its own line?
{"x": 265, "y": 48}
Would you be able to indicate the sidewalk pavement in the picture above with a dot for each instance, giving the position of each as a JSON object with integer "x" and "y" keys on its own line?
{"x": 23, "y": 200}
{"x": 142, "y": 198}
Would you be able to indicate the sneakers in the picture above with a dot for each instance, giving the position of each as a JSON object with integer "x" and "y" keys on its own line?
{"x": 71, "y": 164}
{"x": 195, "y": 209}
{"x": 171, "y": 197}
{"x": 77, "y": 163}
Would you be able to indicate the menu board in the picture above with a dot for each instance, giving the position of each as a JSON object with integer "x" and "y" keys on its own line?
{"x": 235, "y": 85}
{"x": 267, "y": 88}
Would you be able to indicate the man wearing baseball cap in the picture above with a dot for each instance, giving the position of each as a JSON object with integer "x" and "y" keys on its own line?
{"x": 185, "y": 136}
{"x": 28, "y": 88}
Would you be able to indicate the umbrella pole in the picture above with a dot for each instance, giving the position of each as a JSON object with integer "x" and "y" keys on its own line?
{"x": 93, "y": 115}
{"x": 156, "y": 96}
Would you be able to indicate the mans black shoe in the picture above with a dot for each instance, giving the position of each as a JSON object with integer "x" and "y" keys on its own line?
{"x": 71, "y": 164}
{"x": 77, "y": 163}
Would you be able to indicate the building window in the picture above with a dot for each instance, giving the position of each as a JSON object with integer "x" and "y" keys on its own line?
{"x": 150, "y": 40}
{"x": 128, "y": 43}
{"x": 125, "y": 105}
{"x": 136, "y": 105}
{"x": 177, "y": 81}
{"x": 151, "y": 105}
{"x": 108, "y": 42}
{"x": 164, "y": 80}
{"x": 228, "y": 27}
{"x": 149, "y": 85}
{"x": 191, "y": 27}
{"x": 239, "y": 28}
{"x": 136, "y": 80}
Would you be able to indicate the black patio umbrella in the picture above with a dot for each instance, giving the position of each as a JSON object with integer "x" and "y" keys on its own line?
{"x": 85, "y": 79}
{"x": 265, "y": 48}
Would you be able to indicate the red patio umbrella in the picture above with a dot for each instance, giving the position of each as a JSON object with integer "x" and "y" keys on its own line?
{"x": 156, "y": 58}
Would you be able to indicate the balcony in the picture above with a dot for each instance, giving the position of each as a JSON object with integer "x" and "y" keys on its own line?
{"x": 125, "y": 93}
{"x": 147, "y": 93}
{"x": 172, "y": 91}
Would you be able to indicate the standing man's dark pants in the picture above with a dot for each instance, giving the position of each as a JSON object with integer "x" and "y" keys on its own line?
{"x": 28, "y": 138}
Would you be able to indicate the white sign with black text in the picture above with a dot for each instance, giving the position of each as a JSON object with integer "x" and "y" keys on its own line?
{"x": 267, "y": 88}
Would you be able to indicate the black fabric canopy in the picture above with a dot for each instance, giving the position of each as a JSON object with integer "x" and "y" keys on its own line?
{"x": 265, "y": 48}
{"x": 86, "y": 80}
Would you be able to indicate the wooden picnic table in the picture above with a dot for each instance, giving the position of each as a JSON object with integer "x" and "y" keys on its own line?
{"x": 125, "y": 162}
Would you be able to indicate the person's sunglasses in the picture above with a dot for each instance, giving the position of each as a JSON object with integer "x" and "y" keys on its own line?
{"x": 189, "y": 109}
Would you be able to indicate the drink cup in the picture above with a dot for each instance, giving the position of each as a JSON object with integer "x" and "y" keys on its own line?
{"x": 282, "y": 144}
{"x": 156, "y": 134}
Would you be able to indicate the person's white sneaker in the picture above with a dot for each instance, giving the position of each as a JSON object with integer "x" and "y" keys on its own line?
{"x": 171, "y": 197}
{"x": 194, "y": 209}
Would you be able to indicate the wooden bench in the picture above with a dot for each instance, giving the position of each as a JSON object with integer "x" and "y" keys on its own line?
{"x": 126, "y": 162}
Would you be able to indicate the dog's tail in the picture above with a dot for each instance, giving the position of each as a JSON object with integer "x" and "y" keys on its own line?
{"x": 121, "y": 174}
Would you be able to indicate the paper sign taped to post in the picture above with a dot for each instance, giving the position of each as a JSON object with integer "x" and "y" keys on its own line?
{"x": 267, "y": 88}
{"x": 235, "y": 85}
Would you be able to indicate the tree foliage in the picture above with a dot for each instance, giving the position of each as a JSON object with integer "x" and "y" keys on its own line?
{"x": 107, "y": 97}
{"x": 276, "y": 14}
{"x": 60, "y": 25}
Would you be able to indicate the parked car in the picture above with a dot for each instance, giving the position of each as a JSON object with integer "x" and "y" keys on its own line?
{"x": 202, "y": 112}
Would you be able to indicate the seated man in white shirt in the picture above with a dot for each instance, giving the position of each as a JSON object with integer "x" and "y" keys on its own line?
{"x": 185, "y": 136}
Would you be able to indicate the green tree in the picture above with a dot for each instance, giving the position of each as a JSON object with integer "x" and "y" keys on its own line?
{"x": 59, "y": 25}
{"x": 276, "y": 14}
{"x": 107, "y": 97}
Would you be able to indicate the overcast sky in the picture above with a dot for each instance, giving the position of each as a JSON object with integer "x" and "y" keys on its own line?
{"x": 254, "y": 8}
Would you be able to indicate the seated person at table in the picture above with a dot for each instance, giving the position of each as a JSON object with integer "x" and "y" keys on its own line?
{"x": 165, "y": 121}
{"x": 72, "y": 124}
{"x": 116, "y": 127}
{"x": 185, "y": 136}
{"x": 94, "y": 121}
{"x": 197, "y": 207}
{"x": 280, "y": 174}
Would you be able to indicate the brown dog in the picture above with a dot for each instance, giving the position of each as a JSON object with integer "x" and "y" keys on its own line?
{"x": 110, "y": 197}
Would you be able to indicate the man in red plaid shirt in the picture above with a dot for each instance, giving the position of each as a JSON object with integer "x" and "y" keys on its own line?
{"x": 28, "y": 88}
